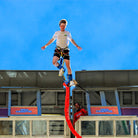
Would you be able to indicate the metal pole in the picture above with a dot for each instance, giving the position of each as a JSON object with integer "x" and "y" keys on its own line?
{"x": 39, "y": 102}
{"x": 9, "y": 103}
{"x": 117, "y": 101}
{"x": 103, "y": 101}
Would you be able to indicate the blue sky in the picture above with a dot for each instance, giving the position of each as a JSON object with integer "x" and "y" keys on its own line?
{"x": 107, "y": 30}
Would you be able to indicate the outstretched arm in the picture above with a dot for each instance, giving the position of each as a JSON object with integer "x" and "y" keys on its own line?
{"x": 74, "y": 43}
{"x": 49, "y": 42}
{"x": 84, "y": 111}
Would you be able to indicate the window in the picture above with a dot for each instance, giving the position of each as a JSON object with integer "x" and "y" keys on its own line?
{"x": 136, "y": 97}
{"x": 56, "y": 127}
{"x": 105, "y": 127}
{"x": 22, "y": 127}
{"x": 123, "y": 127}
{"x": 127, "y": 98}
{"x": 5, "y": 127}
{"x": 39, "y": 127}
{"x": 88, "y": 128}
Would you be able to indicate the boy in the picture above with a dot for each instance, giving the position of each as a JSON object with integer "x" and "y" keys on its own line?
{"x": 62, "y": 38}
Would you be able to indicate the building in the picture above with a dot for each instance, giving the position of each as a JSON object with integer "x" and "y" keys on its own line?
{"x": 32, "y": 103}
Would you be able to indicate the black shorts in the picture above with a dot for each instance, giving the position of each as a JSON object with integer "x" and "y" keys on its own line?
{"x": 64, "y": 52}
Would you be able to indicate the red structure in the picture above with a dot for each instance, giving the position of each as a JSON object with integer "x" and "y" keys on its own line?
{"x": 66, "y": 110}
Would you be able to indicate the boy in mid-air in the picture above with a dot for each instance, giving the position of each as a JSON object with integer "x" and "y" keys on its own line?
{"x": 62, "y": 38}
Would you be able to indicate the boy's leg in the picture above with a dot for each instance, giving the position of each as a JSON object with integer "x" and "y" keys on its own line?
{"x": 55, "y": 61}
{"x": 58, "y": 65}
{"x": 68, "y": 66}
{"x": 56, "y": 57}
{"x": 69, "y": 75}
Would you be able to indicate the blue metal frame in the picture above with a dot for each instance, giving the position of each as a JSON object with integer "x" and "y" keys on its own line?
{"x": 103, "y": 101}
{"x": 9, "y": 103}
{"x": 117, "y": 101}
{"x": 38, "y": 96}
{"x": 88, "y": 103}
{"x": 39, "y": 102}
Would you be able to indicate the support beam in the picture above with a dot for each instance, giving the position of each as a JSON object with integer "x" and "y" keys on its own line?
{"x": 88, "y": 103}
{"x": 9, "y": 103}
{"x": 117, "y": 101}
{"x": 39, "y": 102}
{"x": 103, "y": 100}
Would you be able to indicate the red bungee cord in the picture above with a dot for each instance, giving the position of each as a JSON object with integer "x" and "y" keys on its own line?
{"x": 66, "y": 110}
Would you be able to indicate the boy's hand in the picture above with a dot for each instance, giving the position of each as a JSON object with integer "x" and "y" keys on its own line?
{"x": 43, "y": 47}
{"x": 79, "y": 48}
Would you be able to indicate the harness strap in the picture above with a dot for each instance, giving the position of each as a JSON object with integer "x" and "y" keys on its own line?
{"x": 61, "y": 52}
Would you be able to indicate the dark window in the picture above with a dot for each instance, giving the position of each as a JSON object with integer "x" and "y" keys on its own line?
{"x": 136, "y": 97}
{"x": 127, "y": 98}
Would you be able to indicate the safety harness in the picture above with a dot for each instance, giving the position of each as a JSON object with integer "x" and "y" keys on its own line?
{"x": 62, "y": 51}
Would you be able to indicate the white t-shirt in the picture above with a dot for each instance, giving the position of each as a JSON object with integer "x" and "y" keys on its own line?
{"x": 62, "y": 38}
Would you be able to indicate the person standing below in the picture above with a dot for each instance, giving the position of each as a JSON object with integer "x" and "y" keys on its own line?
{"x": 62, "y": 38}
{"x": 79, "y": 112}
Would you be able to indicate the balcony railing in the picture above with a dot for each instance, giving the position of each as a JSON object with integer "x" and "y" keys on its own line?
{"x": 34, "y": 127}
{"x": 56, "y": 127}
{"x": 107, "y": 126}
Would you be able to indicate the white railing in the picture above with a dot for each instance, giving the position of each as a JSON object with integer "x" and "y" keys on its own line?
{"x": 107, "y": 126}
{"x": 34, "y": 127}
{"x": 56, "y": 127}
